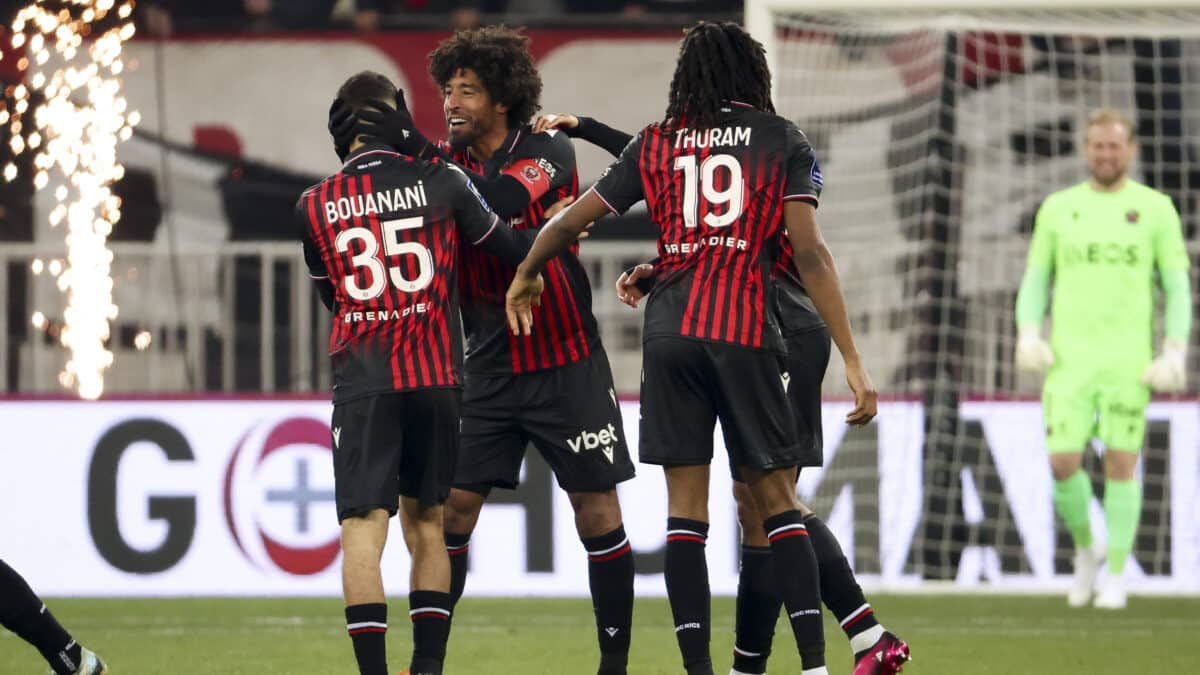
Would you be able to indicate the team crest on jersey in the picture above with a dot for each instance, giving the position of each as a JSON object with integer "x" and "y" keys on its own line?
{"x": 815, "y": 176}
{"x": 530, "y": 174}
{"x": 1132, "y": 216}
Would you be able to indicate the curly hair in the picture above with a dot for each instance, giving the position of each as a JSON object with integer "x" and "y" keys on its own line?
{"x": 718, "y": 62}
{"x": 500, "y": 56}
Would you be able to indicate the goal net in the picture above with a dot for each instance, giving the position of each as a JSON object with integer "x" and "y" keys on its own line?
{"x": 939, "y": 134}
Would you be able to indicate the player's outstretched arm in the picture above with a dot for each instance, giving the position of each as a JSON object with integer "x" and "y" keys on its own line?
{"x": 815, "y": 264}
{"x": 589, "y": 129}
{"x": 555, "y": 237}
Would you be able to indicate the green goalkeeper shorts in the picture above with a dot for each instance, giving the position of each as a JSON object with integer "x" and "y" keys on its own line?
{"x": 1081, "y": 405}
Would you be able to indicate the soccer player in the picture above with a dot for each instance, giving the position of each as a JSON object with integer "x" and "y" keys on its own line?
{"x": 808, "y": 345}
{"x": 554, "y": 388}
{"x": 1103, "y": 241}
{"x": 720, "y": 174}
{"x": 24, "y": 613}
{"x": 382, "y": 239}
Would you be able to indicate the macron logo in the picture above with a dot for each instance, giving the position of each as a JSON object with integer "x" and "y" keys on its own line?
{"x": 590, "y": 440}
{"x": 337, "y": 436}
{"x": 786, "y": 379}
{"x": 612, "y": 632}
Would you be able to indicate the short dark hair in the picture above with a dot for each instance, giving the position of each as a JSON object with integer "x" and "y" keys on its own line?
{"x": 366, "y": 86}
{"x": 718, "y": 62}
{"x": 500, "y": 56}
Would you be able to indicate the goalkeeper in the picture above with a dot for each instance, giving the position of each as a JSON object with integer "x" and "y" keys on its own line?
{"x": 1103, "y": 241}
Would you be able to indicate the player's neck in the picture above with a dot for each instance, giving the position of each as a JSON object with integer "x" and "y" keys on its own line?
{"x": 486, "y": 145}
{"x": 1115, "y": 186}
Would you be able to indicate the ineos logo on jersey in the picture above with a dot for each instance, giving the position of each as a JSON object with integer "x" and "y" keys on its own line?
{"x": 279, "y": 499}
{"x": 547, "y": 167}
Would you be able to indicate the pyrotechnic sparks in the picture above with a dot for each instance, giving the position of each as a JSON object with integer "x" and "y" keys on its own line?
{"x": 74, "y": 132}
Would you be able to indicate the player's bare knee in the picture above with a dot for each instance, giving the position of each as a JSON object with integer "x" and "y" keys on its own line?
{"x": 364, "y": 535}
{"x": 774, "y": 492}
{"x": 748, "y": 517}
{"x": 596, "y": 513}
{"x": 1063, "y": 465}
{"x": 1120, "y": 464}
{"x": 461, "y": 511}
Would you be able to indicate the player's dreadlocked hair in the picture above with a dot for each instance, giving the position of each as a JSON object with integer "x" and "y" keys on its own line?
{"x": 500, "y": 56}
{"x": 718, "y": 62}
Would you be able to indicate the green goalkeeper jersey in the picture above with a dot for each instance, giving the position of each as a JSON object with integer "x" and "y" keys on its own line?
{"x": 1103, "y": 249}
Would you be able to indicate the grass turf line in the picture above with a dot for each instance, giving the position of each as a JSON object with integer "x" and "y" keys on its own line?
{"x": 950, "y": 635}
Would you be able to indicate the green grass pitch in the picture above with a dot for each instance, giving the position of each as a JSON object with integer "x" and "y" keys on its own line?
{"x": 949, "y": 634}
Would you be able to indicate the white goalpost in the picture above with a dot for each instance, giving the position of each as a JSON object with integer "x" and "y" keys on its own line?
{"x": 940, "y": 126}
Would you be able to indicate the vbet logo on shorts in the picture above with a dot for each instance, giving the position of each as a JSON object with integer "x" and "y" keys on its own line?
{"x": 591, "y": 440}
{"x": 278, "y": 496}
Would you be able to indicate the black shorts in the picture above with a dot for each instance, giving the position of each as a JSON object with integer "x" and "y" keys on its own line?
{"x": 394, "y": 444}
{"x": 687, "y": 385}
{"x": 807, "y": 359}
{"x": 570, "y": 414}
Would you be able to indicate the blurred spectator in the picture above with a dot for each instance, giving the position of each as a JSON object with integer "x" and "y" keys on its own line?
{"x": 462, "y": 13}
{"x": 642, "y": 7}
{"x": 159, "y": 17}
{"x": 269, "y": 14}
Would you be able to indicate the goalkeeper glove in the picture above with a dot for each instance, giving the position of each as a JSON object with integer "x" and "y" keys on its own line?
{"x": 1033, "y": 353}
{"x": 1168, "y": 372}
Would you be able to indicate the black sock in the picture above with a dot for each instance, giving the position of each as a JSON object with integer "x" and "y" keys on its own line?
{"x": 24, "y": 613}
{"x": 610, "y": 577}
{"x": 459, "y": 547}
{"x": 430, "y": 614}
{"x": 367, "y": 626}
{"x": 686, "y": 575}
{"x": 796, "y": 578}
{"x": 839, "y": 588}
{"x": 757, "y": 611}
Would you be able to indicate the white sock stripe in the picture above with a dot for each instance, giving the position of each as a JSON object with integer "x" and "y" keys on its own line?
{"x": 856, "y": 613}
{"x": 743, "y": 652}
{"x": 457, "y": 548}
{"x": 366, "y": 624}
{"x": 786, "y": 528}
{"x": 621, "y": 545}
{"x": 434, "y": 610}
{"x": 694, "y": 534}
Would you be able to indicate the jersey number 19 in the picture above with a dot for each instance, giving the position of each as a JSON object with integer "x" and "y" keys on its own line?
{"x": 703, "y": 183}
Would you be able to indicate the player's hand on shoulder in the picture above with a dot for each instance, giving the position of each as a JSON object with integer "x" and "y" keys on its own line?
{"x": 1168, "y": 373}
{"x": 866, "y": 398}
{"x": 627, "y": 289}
{"x": 524, "y": 293}
{"x": 549, "y": 121}
{"x": 1033, "y": 353}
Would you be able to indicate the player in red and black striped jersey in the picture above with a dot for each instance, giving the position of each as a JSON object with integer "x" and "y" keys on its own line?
{"x": 553, "y": 389}
{"x": 808, "y": 342}
{"x": 721, "y": 175}
{"x": 383, "y": 238}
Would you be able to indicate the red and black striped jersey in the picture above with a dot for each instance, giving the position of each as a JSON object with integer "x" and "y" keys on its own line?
{"x": 388, "y": 231}
{"x": 544, "y": 163}
{"x": 795, "y": 309}
{"x": 717, "y": 197}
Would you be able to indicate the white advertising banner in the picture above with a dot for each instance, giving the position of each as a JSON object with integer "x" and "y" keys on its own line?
{"x": 235, "y": 497}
